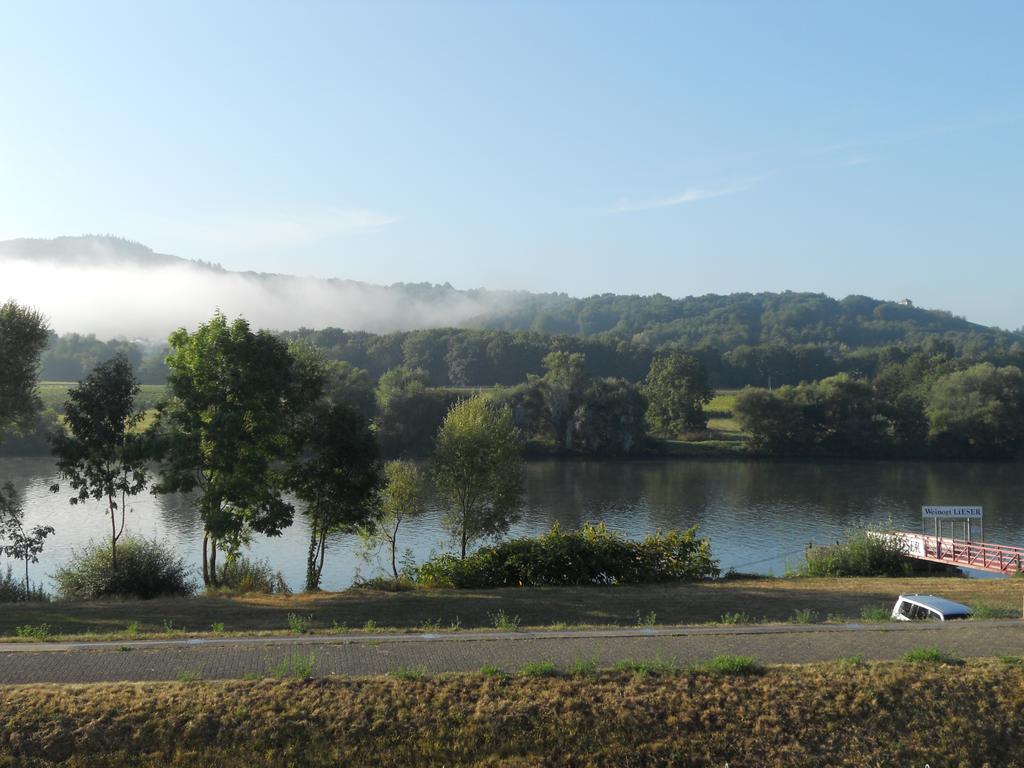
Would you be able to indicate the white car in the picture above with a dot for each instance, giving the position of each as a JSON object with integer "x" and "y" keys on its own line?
{"x": 916, "y": 607}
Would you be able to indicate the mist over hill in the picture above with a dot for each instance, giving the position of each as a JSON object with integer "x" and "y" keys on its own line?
{"x": 112, "y": 287}
{"x": 109, "y": 286}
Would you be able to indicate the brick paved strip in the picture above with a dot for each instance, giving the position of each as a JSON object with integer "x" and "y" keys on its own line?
{"x": 227, "y": 658}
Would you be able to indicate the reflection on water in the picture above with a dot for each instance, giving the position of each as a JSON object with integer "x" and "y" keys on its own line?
{"x": 758, "y": 515}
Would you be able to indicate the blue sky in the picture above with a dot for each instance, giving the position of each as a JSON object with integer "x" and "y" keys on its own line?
{"x": 680, "y": 148}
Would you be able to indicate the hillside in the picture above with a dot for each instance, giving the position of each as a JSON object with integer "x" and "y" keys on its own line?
{"x": 190, "y": 291}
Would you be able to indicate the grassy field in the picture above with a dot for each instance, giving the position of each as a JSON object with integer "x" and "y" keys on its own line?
{"x": 755, "y": 600}
{"x": 54, "y": 393}
{"x": 839, "y": 714}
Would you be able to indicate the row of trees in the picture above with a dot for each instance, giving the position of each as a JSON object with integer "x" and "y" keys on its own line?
{"x": 249, "y": 420}
{"x": 23, "y": 336}
{"x": 925, "y": 406}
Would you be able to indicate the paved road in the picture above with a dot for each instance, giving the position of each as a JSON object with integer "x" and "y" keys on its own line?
{"x": 235, "y": 658}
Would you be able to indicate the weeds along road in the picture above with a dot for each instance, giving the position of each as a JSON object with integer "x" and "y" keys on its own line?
{"x": 241, "y": 657}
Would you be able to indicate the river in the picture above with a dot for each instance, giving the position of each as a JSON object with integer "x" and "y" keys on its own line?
{"x": 758, "y": 514}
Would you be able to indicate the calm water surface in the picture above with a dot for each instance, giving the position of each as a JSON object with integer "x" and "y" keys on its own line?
{"x": 758, "y": 515}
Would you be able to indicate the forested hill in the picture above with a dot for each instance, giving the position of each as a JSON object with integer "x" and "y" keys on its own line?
{"x": 727, "y": 322}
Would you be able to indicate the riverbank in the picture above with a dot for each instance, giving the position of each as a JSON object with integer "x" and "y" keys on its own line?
{"x": 847, "y": 713}
{"x": 361, "y": 610}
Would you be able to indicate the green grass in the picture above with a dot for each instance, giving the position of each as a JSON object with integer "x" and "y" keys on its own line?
{"x": 33, "y": 632}
{"x": 583, "y": 668}
{"x": 643, "y": 667}
{"x": 409, "y": 673}
{"x": 296, "y": 665}
{"x": 804, "y": 616}
{"x": 539, "y": 669}
{"x": 733, "y": 665}
{"x": 474, "y": 610}
{"x": 983, "y": 610}
{"x": 930, "y": 655}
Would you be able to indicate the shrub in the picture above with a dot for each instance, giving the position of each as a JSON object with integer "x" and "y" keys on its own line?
{"x": 12, "y": 589}
{"x": 590, "y": 555}
{"x": 240, "y": 574}
{"x": 36, "y": 632}
{"x": 860, "y": 555}
{"x": 146, "y": 568}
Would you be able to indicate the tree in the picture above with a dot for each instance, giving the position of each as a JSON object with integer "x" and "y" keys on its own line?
{"x": 978, "y": 411}
{"x": 338, "y": 478}
{"x": 562, "y": 389}
{"x": 233, "y": 397}
{"x": 25, "y": 545}
{"x": 23, "y": 336}
{"x": 408, "y": 413}
{"x": 677, "y": 390}
{"x": 100, "y": 454}
{"x": 478, "y": 470}
{"x": 404, "y": 497}
{"x": 611, "y": 419}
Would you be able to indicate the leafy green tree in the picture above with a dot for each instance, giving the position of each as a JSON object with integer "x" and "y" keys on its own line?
{"x": 403, "y": 498}
{"x": 101, "y": 454}
{"x": 477, "y": 469}
{"x": 338, "y": 478}
{"x": 228, "y": 421}
{"x": 611, "y": 420}
{"x": 408, "y": 412}
{"x": 24, "y": 544}
{"x": 351, "y": 386}
{"x": 978, "y": 411}
{"x": 677, "y": 390}
{"x": 563, "y": 389}
{"x": 23, "y": 336}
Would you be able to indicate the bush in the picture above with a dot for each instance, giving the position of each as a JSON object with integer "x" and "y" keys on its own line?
{"x": 12, "y": 589}
{"x": 865, "y": 555}
{"x": 590, "y": 555}
{"x": 146, "y": 568}
{"x": 240, "y": 574}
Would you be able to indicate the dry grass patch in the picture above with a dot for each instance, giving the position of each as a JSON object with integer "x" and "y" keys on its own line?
{"x": 832, "y": 714}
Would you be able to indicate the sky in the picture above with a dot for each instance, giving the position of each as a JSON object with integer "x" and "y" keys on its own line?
{"x": 583, "y": 147}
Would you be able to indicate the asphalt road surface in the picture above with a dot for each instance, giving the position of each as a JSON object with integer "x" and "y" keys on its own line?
{"x": 239, "y": 658}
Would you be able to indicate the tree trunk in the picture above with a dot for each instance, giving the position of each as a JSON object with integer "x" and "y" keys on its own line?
{"x": 206, "y": 566}
{"x": 312, "y": 583}
{"x": 213, "y": 563}
{"x": 27, "y": 590}
{"x": 113, "y": 537}
{"x": 323, "y": 554}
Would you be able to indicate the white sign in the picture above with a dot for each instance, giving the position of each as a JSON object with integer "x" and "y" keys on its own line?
{"x": 952, "y": 512}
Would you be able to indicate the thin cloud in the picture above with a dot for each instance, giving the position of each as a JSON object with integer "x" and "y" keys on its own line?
{"x": 295, "y": 230}
{"x": 690, "y": 195}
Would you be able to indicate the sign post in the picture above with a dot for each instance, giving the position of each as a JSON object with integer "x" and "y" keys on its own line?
{"x": 963, "y": 514}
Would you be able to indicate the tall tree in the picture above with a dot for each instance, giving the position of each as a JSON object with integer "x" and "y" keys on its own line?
{"x": 23, "y": 336}
{"x": 403, "y": 498}
{"x": 563, "y": 388}
{"x": 101, "y": 454}
{"x": 677, "y": 390}
{"x": 24, "y": 544}
{"x": 338, "y": 478}
{"x": 227, "y": 422}
{"x": 478, "y": 470}
{"x": 408, "y": 412}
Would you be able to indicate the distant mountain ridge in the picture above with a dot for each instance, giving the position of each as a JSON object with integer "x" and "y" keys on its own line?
{"x": 721, "y": 321}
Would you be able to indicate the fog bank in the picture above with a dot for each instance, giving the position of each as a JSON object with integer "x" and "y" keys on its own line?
{"x": 119, "y": 298}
